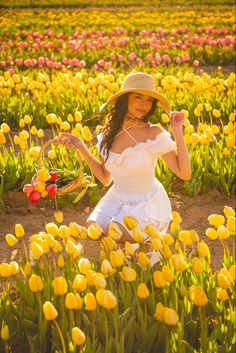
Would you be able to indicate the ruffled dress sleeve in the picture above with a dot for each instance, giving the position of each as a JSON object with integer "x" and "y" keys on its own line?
{"x": 162, "y": 144}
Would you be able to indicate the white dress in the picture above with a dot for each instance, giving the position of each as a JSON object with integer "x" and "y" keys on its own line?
{"x": 135, "y": 190}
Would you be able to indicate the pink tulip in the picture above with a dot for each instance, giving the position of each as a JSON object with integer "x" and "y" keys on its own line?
{"x": 196, "y": 63}
{"x": 28, "y": 188}
{"x": 52, "y": 190}
{"x": 34, "y": 197}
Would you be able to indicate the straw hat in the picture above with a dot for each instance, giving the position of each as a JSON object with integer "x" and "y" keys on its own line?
{"x": 141, "y": 83}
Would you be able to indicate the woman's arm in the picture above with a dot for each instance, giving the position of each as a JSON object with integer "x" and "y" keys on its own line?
{"x": 179, "y": 161}
{"x": 98, "y": 168}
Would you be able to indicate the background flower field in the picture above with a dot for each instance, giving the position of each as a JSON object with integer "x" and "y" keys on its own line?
{"x": 57, "y": 67}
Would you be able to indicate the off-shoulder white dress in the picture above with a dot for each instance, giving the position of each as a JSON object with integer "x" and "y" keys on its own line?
{"x": 135, "y": 190}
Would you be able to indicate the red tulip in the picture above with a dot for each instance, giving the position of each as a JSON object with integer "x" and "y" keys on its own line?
{"x": 28, "y": 188}
{"x": 34, "y": 197}
{"x": 54, "y": 176}
{"x": 52, "y": 190}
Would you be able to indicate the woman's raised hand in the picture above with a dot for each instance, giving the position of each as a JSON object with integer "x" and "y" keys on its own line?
{"x": 176, "y": 120}
{"x": 69, "y": 140}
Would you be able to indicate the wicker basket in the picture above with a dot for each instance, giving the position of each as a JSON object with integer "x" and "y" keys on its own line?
{"x": 75, "y": 185}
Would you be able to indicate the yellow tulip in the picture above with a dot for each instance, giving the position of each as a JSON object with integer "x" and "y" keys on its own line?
{"x": 36, "y": 250}
{"x": 70, "y": 301}
{"x": 222, "y": 294}
{"x": 33, "y": 130}
{"x": 114, "y": 232}
{"x": 106, "y": 267}
{"x": 230, "y": 141}
{"x": 224, "y": 279}
{"x": 178, "y": 262}
{"x": 52, "y": 154}
{"x": 64, "y": 232}
{"x": 106, "y": 299}
{"x": 70, "y": 118}
{"x": 168, "y": 240}
{"x": 167, "y": 274}
{"x": 79, "y": 301}
{"x": 60, "y": 261}
{"x": 211, "y": 233}
{"x": 128, "y": 274}
{"x": 232, "y": 271}
{"x": 158, "y": 279}
{"x": 98, "y": 280}
{"x": 143, "y": 259}
{"x": 159, "y": 312}
{"x": 90, "y": 302}
{"x": 14, "y": 268}
{"x": 86, "y": 133}
{"x": 19, "y": 231}
{"x": 2, "y": 138}
{"x": 197, "y": 295}
{"x": 80, "y": 283}
{"x": 231, "y": 222}
{"x": 40, "y": 133}
{"x": 117, "y": 258}
{"x": 94, "y": 231}
{"x": 27, "y": 119}
{"x": 52, "y": 228}
{"x": 223, "y": 232}
{"x": 5, "y": 333}
{"x": 170, "y": 317}
{"x": 58, "y": 215}
{"x": 130, "y": 222}
{"x": 197, "y": 265}
{"x": 21, "y": 123}
{"x": 49, "y": 311}
{"x": 76, "y": 230}
{"x": 174, "y": 227}
{"x": 78, "y": 336}
{"x": 60, "y": 285}
{"x": 152, "y": 231}
{"x": 143, "y": 291}
{"x": 228, "y": 211}
{"x": 107, "y": 243}
{"x": 166, "y": 252}
{"x": 138, "y": 235}
{"x": 11, "y": 240}
{"x": 43, "y": 175}
{"x": 194, "y": 236}
{"x": 185, "y": 237}
{"x": 35, "y": 283}
{"x": 216, "y": 220}
{"x": 216, "y": 113}
{"x": 203, "y": 249}
{"x": 176, "y": 217}
{"x": 208, "y": 107}
{"x": 78, "y": 116}
{"x": 5, "y": 128}
{"x": 40, "y": 186}
{"x": 157, "y": 244}
{"x": 5, "y": 270}
{"x": 27, "y": 268}
{"x": 84, "y": 265}
{"x": 165, "y": 119}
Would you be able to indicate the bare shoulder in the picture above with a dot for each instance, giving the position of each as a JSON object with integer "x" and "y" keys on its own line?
{"x": 154, "y": 130}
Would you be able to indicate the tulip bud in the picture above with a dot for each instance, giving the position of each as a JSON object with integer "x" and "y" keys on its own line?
{"x": 79, "y": 283}
{"x": 58, "y": 216}
{"x": 11, "y": 240}
{"x": 84, "y": 265}
{"x": 170, "y": 317}
{"x": 130, "y": 222}
{"x": 19, "y": 231}
{"x": 114, "y": 231}
{"x": 36, "y": 250}
{"x": 60, "y": 285}
{"x": 143, "y": 259}
{"x": 158, "y": 279}
{"x": 49, "y": 311}
{"x": 106, "y": 267}
{"x": 222, "y": 294}
{"x": 60, "y": 261}
{"x": 128, "y": 274}
{"x": 70, "y": 301}
{"x": 5, "y": 333}
{"x": 167, "y": 274}
{"x": 90, "y": 302}
{"x": 78, "y": 336}
{"x": 159, "y": 312}
{"x": 198, "y": 296}
{"x": 94, "y": 231}
{"x": 35, "y": 283}
{"x": 143, "y": 291}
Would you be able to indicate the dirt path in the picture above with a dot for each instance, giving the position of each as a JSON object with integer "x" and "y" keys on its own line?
{"x": 194, "y": 212}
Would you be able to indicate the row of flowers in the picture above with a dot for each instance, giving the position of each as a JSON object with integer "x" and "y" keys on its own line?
{"x": 123, "y": 302}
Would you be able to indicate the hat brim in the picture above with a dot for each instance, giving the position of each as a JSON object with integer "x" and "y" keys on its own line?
{"x": 163, "y": 101}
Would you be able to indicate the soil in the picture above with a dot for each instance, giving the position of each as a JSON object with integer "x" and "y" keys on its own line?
{"x": 193, "y": 210}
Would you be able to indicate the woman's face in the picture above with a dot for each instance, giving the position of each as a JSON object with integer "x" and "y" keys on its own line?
{"x": 139, "y": 105}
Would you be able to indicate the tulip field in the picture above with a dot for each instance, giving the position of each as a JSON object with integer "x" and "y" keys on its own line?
{"x": 57, "y": 67}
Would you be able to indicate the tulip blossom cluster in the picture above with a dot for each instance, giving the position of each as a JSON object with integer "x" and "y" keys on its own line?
{"x": 42, "y": 184}
{"x": 119, "y": 292}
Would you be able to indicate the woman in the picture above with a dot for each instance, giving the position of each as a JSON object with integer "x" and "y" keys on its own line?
{"x": 129, "y": 147}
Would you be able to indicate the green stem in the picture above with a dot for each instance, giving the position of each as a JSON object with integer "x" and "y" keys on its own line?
{"x": 25, "y": 249}
{"x": 202, "y": 314}
{"x": 61, "y": 337}
{"x": 167, "y": 340}
{"x": 116, "y": 320}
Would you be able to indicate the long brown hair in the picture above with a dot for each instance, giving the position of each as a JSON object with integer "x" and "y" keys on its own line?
{"x": 115, "y": 119}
